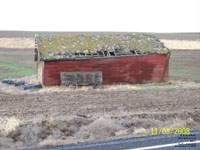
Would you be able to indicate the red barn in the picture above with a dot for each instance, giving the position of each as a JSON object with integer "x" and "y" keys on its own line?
{"x": 101, "y": 58}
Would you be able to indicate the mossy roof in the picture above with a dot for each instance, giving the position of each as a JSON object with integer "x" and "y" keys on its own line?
{"x": 87, "y": 45}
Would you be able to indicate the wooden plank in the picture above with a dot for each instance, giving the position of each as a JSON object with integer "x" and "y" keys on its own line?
{"x": 81, "y": 78}
{"x": 40, "y": 71}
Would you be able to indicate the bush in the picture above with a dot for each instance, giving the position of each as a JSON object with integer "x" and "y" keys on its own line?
{"x": 99, "y": 129}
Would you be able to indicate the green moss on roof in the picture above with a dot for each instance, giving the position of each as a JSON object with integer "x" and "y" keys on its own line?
{"x": 72, "y": 46}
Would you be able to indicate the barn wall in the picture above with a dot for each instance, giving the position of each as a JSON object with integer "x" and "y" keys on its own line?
{"x": 40, "y": 71}
{"x": 132, "y": 69}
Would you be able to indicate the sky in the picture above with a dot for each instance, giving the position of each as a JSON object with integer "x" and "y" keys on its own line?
{"x": 101, "y": 15}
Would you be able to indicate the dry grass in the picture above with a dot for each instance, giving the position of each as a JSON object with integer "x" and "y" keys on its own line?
{"x": 23, "y": 43}
{"x": 178, "y": 123}
{"x": 140, "y": 131}
{"x": 48, "y": 142}
{"x": 42, "y": 131}
{"x": 8, "y": 125}
{"x": 33, "y": 80}
{"x": 190, "y": 122}
{"x": 52, "y": 141}
{"x": 99, "y": 129}
{"x": 122, "y": 86}
{"x": 181, "y": 44}
{"x": 64, "y": 89}
{"x": 5, "y": 142}
{"x": 121, "y": 132}
{"x": 163, "y": 83}
{"x": 18, "y": 43}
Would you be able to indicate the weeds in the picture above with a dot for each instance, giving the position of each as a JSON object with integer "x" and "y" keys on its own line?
{"x": 8, "y": 125}
{"x": 54, "y": 131}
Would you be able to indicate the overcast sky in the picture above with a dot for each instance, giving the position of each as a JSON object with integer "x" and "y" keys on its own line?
{"x": 101, "y": 15}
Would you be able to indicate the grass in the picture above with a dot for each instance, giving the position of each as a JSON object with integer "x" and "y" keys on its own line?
{"x": 15, "y": 69}
{"x": 21, "y": 43}
{"x": 8, "y": 124}
{"x": 177, "y": 44}
{"x": 163, "y": 88}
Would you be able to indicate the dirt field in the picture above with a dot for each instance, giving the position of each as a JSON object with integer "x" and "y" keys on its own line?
{"x": 83, "y": 115}
{"x": 181, "y": 44}
{"x": 185, "y": 65}
{"x": 179, "y": 36}
{"x": 19, "y": 43}
{"x": 171, "y": 36}
{"x": 57, "y": 116}
{"x": 54, "y": 116}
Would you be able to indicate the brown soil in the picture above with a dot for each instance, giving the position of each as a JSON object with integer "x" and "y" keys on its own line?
{"x": 98, "y": 102}
{"x": 76, "y": 114}
{"x": 56, "y": 117}
{"x": 176, "y": 36}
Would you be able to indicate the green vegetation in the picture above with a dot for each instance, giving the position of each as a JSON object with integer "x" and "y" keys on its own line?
{"x": 162, "y": 88}
{"x": 14, "y": 70}
{"x": 16, "y": 65}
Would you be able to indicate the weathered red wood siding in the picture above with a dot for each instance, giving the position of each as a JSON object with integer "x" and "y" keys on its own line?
{"x": 132, "y": 69}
